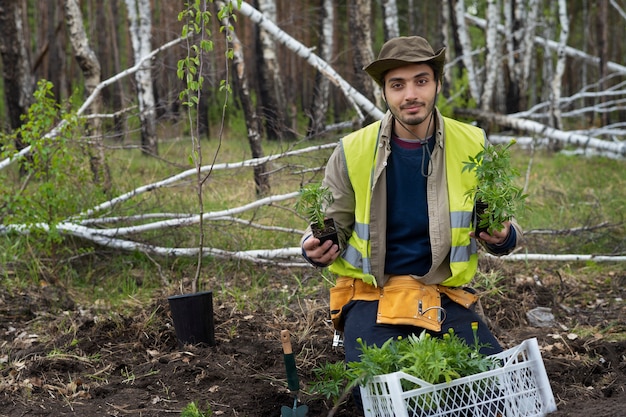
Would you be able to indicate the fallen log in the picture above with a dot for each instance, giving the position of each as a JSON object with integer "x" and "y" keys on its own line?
{"x": 530, "y": 126}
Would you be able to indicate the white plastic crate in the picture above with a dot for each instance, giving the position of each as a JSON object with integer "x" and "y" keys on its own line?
{"x": 519, "y": 388}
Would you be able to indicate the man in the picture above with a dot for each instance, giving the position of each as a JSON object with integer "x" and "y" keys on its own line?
{"x": 406, "y": 247}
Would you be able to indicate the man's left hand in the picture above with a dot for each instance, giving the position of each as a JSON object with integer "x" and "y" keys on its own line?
{"x": 498, "y": 237}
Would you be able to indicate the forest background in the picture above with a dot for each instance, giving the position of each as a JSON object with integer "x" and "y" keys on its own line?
{"x": 548, "y": 71}
{"x": 114, "y": 193}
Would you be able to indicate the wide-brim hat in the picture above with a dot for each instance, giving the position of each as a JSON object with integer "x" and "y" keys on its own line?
{"x": 405, "y": 50}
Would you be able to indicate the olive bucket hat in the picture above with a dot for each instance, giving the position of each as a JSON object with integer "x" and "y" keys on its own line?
{"x": 405, "y": 50}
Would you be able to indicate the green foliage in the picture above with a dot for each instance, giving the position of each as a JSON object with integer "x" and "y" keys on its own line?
{"x": 312, "y": 202}
{"x": 192, "y": 410}
{"x": 496, "y": 185}
{"x": 330, "y": 379}
{"x": 54, "y": 178}
{"x": 196, "y": 22}
{"x": 459, "y": 96}
{"x": 434, "y": 360}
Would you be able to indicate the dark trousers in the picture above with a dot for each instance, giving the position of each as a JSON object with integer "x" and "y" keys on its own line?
{"x": 360, "y": 321}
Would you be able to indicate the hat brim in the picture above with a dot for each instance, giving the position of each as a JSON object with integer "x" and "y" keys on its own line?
{"x": 378, "y": 68}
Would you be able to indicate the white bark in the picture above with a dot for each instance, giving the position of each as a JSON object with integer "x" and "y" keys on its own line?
{"x": 466, "y": 46}
{"x": 552, "y": 45}
{"x": 321, "y": 93}
{"x": 492, "y": 58}
{"x": 390, "y": 12}
{"x": 115, "y": 237}
{"x": 555, "y": 85}
{"x": 618, "y": 8}
{"x": 191, "y": 172}
{"x": 561, "y": 258}
{"x": 140, "y": 34}
{"x": 542, "y": 130}
{"x": 272, "y": 97}
{"x": 527, "y": 43}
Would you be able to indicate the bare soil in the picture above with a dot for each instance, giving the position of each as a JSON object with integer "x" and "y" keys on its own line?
{"x": 60, "y": 358}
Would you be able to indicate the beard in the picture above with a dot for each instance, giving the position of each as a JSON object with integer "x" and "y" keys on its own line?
{"x": 417, "y": 118}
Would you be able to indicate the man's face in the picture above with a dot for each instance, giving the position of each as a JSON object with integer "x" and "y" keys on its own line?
{"x": 410, "y": 93}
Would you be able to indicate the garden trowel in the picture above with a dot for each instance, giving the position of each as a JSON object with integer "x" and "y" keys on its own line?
{"x": 292, "y": 379}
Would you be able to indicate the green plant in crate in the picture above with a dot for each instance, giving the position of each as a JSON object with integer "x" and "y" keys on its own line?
{"x": 497, "y": 198}
{"x": 433, "y": 360}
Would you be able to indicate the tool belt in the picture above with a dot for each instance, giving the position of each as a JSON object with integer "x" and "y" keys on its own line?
{"x": 403, "y": 300}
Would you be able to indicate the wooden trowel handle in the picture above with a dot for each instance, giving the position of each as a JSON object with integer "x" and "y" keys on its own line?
{"x": 286, "y": 340}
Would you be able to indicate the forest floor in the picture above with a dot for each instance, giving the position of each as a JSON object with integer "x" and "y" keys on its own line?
{"x": 59, "y": 358}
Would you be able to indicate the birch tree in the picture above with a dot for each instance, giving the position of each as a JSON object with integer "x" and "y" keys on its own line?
{"x": 519, "y": 30}
{"x": 88, "y": 62}
{"x": 390, "y": 14}
{"x": 603, "y": 37}
{"x": 140, "y": 35}
{"x": 359, "y": 17}
{"x": 19, "y": 83}
{"x": 492, "y": 55}
{"x": 466, "y": 49}
{"x": 321, "y": 90}
{"x": 555, "y": 84}
{"x": 563, "y": 137}
{"x": 240, "y": 85}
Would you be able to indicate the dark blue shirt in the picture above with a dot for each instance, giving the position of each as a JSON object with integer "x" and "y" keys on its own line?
{"x": 408, "y": 242}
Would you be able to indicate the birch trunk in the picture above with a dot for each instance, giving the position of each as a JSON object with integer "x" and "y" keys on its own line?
{"x": 19, "y": 83}
{"x": 512, "y": 35}
{"x": 555, "y": 85}
{"x": 88, "y": 62}
{"x": 321, "y": 90}
{"x": 445, "y": 35}
{"x": 359, "y": 17}
{"x": 261, "y": 179}
{"x": 390, "y": 13}
{"x": 527, "y": 49}
{"x": 603, "y": 37}
{"x": 272, "y": 94}
{"x": 140, "y": 35}
{"x": 569, "y": 138}
{"x": 492, "y": 57}
{"x": 466, "y": 48}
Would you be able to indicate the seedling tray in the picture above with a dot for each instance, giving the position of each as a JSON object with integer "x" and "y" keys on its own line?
{"x": 518, "y": 388}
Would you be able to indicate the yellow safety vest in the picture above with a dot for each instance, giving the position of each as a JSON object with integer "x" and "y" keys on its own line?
{"x": 360, "y": 148}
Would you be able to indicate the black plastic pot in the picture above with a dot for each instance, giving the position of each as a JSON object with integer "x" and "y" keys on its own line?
{"x": 327, "y": 232}
{"x": 193, "y": 318}
{"x": 479, "y": 210}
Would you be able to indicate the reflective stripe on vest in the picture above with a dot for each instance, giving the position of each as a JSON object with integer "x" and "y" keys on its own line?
{"x": 360, "y": 149}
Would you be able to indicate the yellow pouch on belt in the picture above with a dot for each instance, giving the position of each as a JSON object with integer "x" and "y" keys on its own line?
{"x": 345, "y": 290}
{"x": 404, "y": 300}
